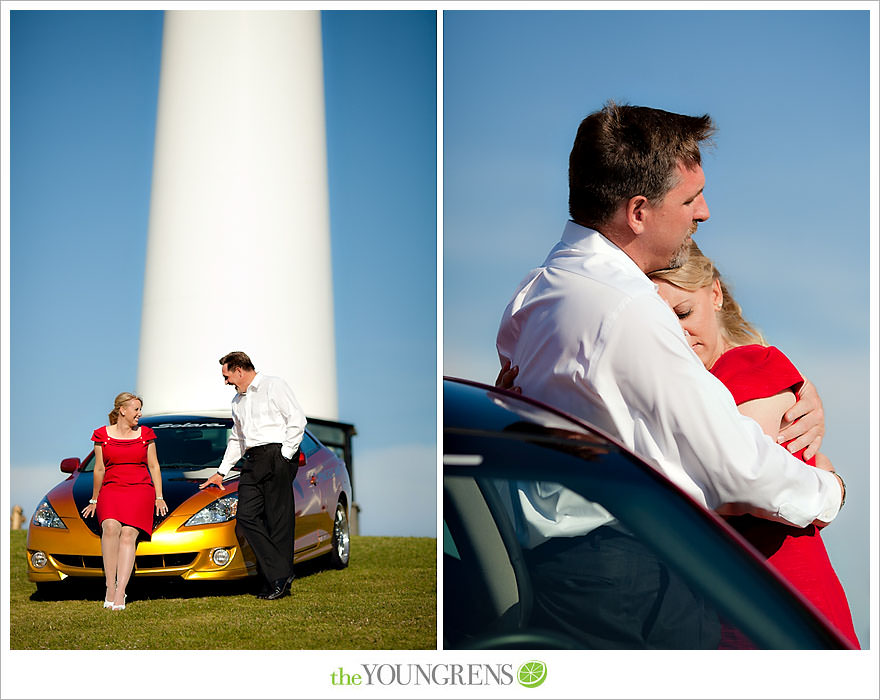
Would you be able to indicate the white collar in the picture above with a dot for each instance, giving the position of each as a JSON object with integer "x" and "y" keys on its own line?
{"x": 587, "y": 252}
{"x": 255, "y": 383}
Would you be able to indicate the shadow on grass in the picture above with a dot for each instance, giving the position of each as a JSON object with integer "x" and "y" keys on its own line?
{"x": 164, "y": 587}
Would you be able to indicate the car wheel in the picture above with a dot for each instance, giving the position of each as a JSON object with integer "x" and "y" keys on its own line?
{"x": 341, "y": 540}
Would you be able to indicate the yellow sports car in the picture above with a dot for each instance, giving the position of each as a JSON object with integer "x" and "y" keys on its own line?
{"x": 197, "y": 538}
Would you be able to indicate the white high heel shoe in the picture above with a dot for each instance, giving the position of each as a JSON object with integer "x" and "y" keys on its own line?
{"x": 113, "y": 606}
{"x": 108, "y": 603}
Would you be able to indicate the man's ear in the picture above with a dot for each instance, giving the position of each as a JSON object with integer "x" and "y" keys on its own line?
{"x": 637, "y": 209}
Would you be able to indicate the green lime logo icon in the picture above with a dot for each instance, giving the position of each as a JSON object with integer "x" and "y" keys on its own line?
{"x": 532, "y": 673}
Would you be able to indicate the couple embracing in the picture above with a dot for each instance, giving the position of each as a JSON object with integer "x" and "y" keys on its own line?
{"x": 619, "y": 326}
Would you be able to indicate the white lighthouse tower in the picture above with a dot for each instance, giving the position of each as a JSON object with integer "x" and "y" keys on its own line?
{"x": 238, "y": 252}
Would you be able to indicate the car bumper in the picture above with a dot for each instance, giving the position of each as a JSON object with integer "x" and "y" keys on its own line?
{"x": 172, "y": 551}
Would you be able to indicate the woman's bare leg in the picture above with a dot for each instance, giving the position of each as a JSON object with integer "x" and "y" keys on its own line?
{"x": 110, "y": 531}
{"x": 125, "y": 562}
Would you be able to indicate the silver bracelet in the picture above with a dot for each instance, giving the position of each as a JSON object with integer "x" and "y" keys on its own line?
{"x": 93, "y": 500}
{"x": 843, "y": 484}
{"x": 159, "y": 498}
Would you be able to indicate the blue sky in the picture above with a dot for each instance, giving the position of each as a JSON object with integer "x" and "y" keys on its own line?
{"x": 83, "y": 88}
{"x": 787, "y": 184}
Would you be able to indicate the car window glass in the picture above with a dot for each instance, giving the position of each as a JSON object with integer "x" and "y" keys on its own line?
{"x": 190, "y": 446}
{"x": 195, "y": 445}
{"x": 449, "y": 547}
{"x": 309, "y": 446}
{"x": 186, "y": 446}
{"x": 507, "y": 568}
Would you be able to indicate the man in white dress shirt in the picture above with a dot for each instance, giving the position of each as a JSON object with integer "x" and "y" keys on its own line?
{"x": 591, "y": 336}
{"x": 267, "y": 429}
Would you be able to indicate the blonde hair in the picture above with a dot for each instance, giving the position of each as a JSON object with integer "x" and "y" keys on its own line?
{"x": 118, "y": 402}
{"x": 698, "y": 272}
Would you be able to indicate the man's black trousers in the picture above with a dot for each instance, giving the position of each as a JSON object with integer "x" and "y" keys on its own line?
{"x": 609, "y": 591}
{"x": 266, "y": 510}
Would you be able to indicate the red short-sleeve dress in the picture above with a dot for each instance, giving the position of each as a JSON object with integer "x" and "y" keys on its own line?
{"x": 127, "y": 493}
{"x": 754, "y": 372}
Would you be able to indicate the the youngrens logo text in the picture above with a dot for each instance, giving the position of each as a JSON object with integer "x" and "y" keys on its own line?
{"x": 531, "y": 674}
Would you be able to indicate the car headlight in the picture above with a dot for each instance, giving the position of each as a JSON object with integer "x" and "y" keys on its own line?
{"x": 219, "y": 511}
{"x": 45, "y": 516}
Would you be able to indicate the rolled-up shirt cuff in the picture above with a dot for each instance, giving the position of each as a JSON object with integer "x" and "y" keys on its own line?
{"x": 831, "y": 510}
{"x": 798, "y": 517}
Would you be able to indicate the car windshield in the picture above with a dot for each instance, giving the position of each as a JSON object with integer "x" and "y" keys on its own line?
{"x": 186, "y": 445}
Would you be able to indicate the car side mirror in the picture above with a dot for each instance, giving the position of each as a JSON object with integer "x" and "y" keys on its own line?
{"x": 70, "y": 465}
{"x": 301, "y": 462}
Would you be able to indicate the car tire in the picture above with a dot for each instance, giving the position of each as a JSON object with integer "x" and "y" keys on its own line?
{"x": 341, "y": 551}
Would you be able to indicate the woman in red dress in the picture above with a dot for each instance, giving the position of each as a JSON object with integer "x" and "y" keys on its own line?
{"x": 127, "y": 489}
{"x": 764, "y": 384}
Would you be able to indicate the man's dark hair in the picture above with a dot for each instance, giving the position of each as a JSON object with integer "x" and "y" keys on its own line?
{"x": 623, "y": 151}
{"x": 236, "y": 360}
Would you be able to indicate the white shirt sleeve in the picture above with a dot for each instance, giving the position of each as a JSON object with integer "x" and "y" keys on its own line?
{"x": 282, "y": 397}
{"x": 234, "y": 449}
{"x": 685, "y": 418}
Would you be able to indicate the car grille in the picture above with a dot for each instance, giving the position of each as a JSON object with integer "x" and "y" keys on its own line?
{"x": 146, "y": 561}
{"x": 164, "y": 561}
{"x": 78, "y": 561}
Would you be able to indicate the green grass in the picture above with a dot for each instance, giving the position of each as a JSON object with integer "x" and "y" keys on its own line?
{"x": 385, "y": 599}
